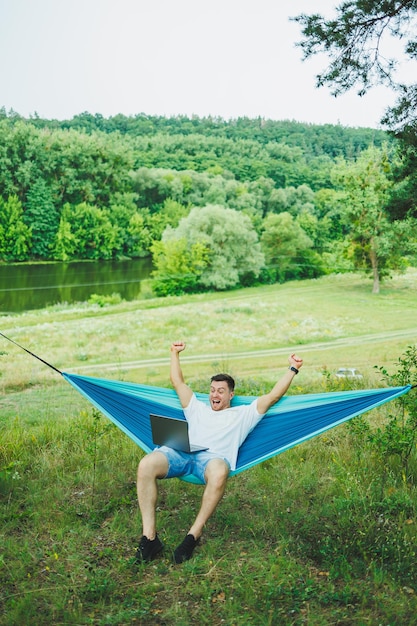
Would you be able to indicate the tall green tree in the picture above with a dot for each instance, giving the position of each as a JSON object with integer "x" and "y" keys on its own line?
{"x": 42, "y": 217}
{"x": 66, "y": 243}
{"x": 15, "y": 235}
{"x": 365, "y": 188}
{"x": 139, "y": 240}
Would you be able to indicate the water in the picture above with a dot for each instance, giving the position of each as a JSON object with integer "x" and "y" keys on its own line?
{"x": 26, "y": 287}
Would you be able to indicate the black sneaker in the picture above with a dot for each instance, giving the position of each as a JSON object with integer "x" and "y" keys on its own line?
{"x": 148, "y": 549}
{"x": 185, "y": 550}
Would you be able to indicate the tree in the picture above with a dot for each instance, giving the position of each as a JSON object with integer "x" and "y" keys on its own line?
{"x": 234, "y": 249}
{"x": 292, "y": 200}
{"x": 15, "y": 235}
{"x": 357, "y": 43}
{"x": 178, "y": 266}
{"x": 42, "y": 217}
{"x": 170, "y": 213}
{"x": 65, "y": 245}
{"x": 86, "y": 232}
{"x": 284, "y": 243}
{"x": 133, "y": 235}
{"x": 365, "y": 188}
{"x": 87, "y": 168}
{"x": 139, "y": 238}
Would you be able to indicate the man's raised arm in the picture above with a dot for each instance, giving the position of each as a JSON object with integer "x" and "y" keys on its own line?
{"x": 280, "y": 387}
{"x": 183, "y": 390}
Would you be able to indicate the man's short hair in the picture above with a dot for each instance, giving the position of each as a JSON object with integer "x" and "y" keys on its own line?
{"x": 226, "y": 378}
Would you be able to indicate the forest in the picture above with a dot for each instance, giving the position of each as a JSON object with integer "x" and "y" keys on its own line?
{"x": 217, "y": 204}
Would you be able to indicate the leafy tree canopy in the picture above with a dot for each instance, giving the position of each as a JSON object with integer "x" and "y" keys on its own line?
{"x": 234, "y": 249}
{"x": 357, "y": 42}
{"x": 377, "y": 243}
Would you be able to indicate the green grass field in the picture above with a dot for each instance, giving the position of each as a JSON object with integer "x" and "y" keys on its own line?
{"x": 325, "y": 533}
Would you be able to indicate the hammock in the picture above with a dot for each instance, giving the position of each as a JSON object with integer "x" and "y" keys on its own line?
{"x": 290, "y": 421}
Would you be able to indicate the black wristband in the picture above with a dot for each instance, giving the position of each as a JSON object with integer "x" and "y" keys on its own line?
{"x": 293, "y": 369}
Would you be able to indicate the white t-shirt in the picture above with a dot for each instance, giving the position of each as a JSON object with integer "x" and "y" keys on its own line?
{"x": 223, "y": 432}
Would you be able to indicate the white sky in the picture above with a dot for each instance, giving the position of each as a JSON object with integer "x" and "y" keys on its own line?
{"x": 225, "y": 58}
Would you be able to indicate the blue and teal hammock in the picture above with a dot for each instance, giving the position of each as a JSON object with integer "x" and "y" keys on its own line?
{"x": 291, "y": 421}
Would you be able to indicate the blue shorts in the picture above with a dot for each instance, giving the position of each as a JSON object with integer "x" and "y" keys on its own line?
{"x": 185, "y": 463}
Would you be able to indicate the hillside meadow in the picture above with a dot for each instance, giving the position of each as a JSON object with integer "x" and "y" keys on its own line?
{"x": 322, "y": 534}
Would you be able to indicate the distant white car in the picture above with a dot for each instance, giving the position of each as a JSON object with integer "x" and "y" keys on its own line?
{"x": 348, "y": 372}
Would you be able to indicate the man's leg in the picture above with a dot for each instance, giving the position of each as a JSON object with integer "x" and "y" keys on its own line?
{"x": 151, "y": 467}
{"x": 216, "y": 475}
{"x": 217, "y": 472}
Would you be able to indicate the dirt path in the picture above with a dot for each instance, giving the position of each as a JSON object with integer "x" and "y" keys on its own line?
{"x": 408, "y": 333}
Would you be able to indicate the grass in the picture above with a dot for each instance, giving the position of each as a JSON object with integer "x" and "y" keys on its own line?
{"x": 333, "y": 321}
{"x": 323, "y": 534}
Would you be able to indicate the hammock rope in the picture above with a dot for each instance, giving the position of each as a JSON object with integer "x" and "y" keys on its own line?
{"x": 32, "y": 354}
{"x": 291, "y": 421}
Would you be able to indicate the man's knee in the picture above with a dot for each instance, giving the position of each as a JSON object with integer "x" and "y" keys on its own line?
{"x": 153, "y": 465}
{"x": 217, "y": 472}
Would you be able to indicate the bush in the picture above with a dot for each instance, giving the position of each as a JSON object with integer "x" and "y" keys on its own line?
{"x": 102, "y": 300}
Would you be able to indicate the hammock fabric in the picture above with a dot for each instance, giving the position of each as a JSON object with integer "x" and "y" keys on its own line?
{"x": 290, "y": 421}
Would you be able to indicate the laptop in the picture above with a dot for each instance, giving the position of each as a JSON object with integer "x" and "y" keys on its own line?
{"x": 172, "y": 432}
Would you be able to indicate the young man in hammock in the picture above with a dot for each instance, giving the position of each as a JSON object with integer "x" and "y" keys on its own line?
{"x": 222, "y": 429}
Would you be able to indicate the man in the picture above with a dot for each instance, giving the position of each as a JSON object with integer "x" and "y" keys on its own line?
{"x": 222, "y": 429}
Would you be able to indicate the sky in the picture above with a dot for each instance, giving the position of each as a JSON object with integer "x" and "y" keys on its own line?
{"x": 223, "y": 58}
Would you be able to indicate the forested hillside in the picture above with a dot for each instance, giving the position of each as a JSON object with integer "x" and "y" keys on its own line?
{"x": 275, "y": 195}
{"x": 313, "y": 139}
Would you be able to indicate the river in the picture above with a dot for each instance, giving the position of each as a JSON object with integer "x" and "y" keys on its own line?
{"x": 24, "y": 287}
